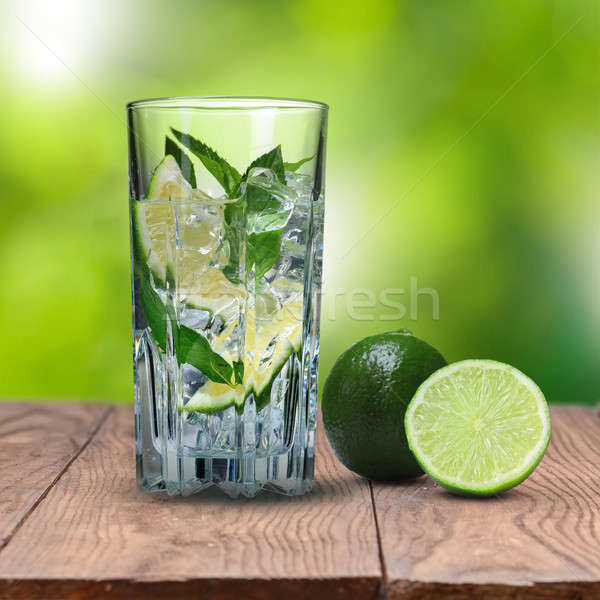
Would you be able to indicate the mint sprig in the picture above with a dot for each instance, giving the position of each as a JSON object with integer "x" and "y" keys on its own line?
{"x": 218, "y": 167}
{"x": 262, "y": 251}
{"x": 266, "y": 218}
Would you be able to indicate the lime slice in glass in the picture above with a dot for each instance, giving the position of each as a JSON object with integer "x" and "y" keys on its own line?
{"x": 154, "y": 222}
{"x": 214, "y": 397}
{"x": 269, "y": 344}
{"x": 478, "y": 427}
{"x": 199, "y": 217}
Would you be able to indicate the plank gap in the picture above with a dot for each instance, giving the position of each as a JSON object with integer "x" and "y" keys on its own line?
{"x": 384, "y": 580}
{"x": 44, "y": 493}
{"x": 97, "y": 536}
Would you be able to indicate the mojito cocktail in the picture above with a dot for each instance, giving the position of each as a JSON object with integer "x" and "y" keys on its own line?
{"x": 226, "y": 267}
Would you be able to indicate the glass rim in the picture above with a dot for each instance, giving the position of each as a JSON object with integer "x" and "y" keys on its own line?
{"x": 248, "y": 103}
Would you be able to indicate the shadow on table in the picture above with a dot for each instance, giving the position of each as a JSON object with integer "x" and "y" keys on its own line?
{"x": 424, "y": 488}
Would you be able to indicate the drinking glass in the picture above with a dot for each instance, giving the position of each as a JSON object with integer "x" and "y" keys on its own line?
{"x": 226, "y": 218}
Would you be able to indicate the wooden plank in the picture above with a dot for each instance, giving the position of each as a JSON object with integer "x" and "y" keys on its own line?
{"x": 97, "y": 536}
{"x": 38, "y": 441}
{"x": 539, "y": 540}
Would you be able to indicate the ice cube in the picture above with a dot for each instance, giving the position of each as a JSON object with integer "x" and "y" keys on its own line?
{"x": 193, "y": 418}
{"x": 293, "y": 244}
{"x": 271, "y": 211}
{"x": 198, "y": 226}
{"x": 191, "y": 380}
{"x": 301, "y": 184}
{"x": 276, "y": 433}
{"x": 285, "y": 263}
{"x": 202, "y": 437}
{"x": 266, "y": 303}
{"x": 225, "y": 435}
{"x": 195, "y": 318}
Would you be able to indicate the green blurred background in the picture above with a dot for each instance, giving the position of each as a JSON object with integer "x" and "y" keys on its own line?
{"x": 464, "y": 147}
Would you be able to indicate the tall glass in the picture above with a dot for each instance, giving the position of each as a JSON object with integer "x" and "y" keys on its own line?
{"x": 226, "y": 213}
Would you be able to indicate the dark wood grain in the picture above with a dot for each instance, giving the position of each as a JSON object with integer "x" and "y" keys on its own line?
{"x": 96, "y": 536}
{"x": 37, "y": 442}
{"x": 539, "y": 540}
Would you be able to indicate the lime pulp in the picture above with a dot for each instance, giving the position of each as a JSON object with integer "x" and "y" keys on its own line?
{"x": 478, "y": 427}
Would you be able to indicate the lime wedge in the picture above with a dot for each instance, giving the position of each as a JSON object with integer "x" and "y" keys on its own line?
{"x": 168, "y": 182}
{"x": 172, "y": 200}
{"x": 210, "y": 290}
{"x": 269, "y": 344}
{"x": 478, "y": 427}
{"x": 214, "y": 397}
{"x": 154, "y": 222}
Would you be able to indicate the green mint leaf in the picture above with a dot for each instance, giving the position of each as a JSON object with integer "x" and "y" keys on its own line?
{"x": 257, "y": 221}
{"x": 238, "y": 372}
{"x": 270, "y": 160}
{"x": 267, "y": 216}
{"x": 294, "y": 166}
{"x": 217, "y": 166}
{"x": 264, "y": 219}
{"x": 234, "y": 232}
{"x": 154, "y": 310}
{"x": 183, "y": 160}
{"x": 194, "y": 349}
{"x": 262, "y": 251}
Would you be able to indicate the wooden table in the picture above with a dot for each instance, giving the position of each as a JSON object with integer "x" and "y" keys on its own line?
{"x": 73, "y": 525}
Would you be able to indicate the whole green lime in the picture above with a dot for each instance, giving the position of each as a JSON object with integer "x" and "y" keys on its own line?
{"x": 365, "y": 398}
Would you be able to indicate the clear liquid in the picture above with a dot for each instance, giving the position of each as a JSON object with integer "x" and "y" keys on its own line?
{"x": 261, "y": 442}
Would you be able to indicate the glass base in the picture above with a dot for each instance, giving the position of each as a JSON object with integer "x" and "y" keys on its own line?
{"x": 240, "y": 452}
{"x": 285, "y": 474}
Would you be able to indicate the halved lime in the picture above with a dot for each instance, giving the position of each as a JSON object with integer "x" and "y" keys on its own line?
{"x": 478, "y": 427}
